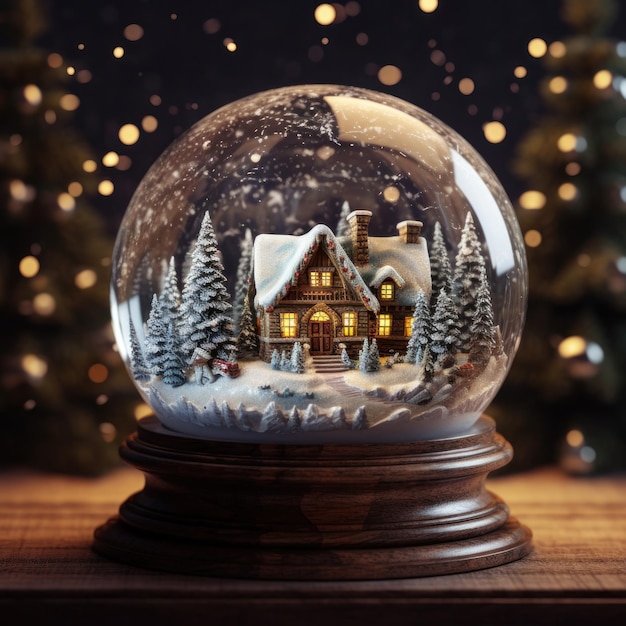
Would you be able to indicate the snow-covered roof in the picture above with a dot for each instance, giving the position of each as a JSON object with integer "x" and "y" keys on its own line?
{"x": 279, "y": 258}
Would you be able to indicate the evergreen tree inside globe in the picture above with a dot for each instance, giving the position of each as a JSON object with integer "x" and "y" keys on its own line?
{"x": 568, "y": 379}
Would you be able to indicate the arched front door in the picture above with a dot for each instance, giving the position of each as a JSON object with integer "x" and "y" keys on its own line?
{"x": 320, "y": 332}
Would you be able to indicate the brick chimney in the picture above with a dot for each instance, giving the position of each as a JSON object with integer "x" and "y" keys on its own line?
{"x": 410, "y": 231}
{"x": 359, "y": 231}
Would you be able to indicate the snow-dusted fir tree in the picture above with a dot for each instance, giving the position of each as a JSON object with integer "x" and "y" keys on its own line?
{"x": 205, "y": 320}
{"x": 482, "y": 331}
{"x": 170, "y": 295}
{"x": 343, "y": 228}
{"x": 346, "y": 360}
{"x": 247, "y": 340}
{"x": 138, "y": 366}
{"x": 445, "y": 331}
{"x": 469, "y": 264}
{"x": 420, "y": 330}
{"x": 156, "y": 338}
{"x": 440, "y": 269}
{"x": 373, "y": 357}
{"x": 363, "y": 355}
{"x": 275, "y": 360}
{"x": 242, "y": 280}
{"x": 297, "y": 358}
{"x": 285, "y": 362}
{"x": 173, "y": 364}
{"x": 429, "y": 366}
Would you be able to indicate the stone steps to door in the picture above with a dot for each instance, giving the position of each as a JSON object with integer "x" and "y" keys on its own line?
{"x": 328, "y": 363}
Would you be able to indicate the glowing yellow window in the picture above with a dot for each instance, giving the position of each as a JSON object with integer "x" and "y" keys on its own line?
{"x": 384, "y": 324}
{"x": 408, "y": 326}
{"x": 288, "y": 324}
{"x": 321, "y": 279}
{"x": 349, "y": 324}
{"x": 386, "y": 291}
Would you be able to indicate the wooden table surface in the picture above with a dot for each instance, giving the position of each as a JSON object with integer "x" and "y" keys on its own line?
{"x": 575, "y": 575}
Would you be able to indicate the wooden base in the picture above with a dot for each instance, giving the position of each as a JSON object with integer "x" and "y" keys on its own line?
{"x": 319, "y": 512}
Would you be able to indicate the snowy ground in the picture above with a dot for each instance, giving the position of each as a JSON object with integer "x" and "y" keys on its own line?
{"x": 265, "y": 405}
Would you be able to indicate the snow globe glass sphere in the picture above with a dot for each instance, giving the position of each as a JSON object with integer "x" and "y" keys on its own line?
{"x": 319, "y": 264}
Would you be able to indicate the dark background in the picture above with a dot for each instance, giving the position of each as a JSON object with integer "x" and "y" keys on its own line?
{"x": 280, "y": 43}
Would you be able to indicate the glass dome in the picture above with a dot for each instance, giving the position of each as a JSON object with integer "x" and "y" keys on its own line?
{"x": 319, "y": 264}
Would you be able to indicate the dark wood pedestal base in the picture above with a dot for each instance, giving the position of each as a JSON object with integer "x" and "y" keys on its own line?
{"x": 319, "y": 512}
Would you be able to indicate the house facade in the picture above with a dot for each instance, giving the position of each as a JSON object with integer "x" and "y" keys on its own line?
{"x": 325, "y": 291}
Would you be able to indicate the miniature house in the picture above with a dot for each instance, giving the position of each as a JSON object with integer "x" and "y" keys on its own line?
{"x": 325, "y": 290}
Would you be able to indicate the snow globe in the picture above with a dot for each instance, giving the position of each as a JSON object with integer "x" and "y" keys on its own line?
{"x": 312, "y": 282}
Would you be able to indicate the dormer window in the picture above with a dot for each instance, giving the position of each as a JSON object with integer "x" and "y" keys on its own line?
{"x": 320, "y": 278}
{"x": 387, "y": 291}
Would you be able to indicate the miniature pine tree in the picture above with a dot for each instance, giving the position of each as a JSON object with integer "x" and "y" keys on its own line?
{"x": 445, "y": 331}
{"x": 170, "y": 295}
{"x": 242, "y": 280}
{"x": 373, "y": 357}
{"x": 429, "y": 366}
{"x": 247, "y": 340}
{"x": 420, "y": 330}
{"x": 156, "y": 338}
{"x": 172, "y": 363}
{"x": 138, "y": 366}
{"x": 285, "y": 363}
{"x": 467, "y": 279}
{"x": 363, "y": 355}
{"x": 483, "y": 341}
{"x": 440, "y": 269}
{"x": 297, "y": 359}
{"x": 275, "y": 360}
{"x": 345, "y": 359}
{"x": 205, "y": 320}
{"x": 343, "y": 228}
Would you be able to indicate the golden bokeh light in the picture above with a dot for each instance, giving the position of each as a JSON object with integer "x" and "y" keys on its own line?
{"x": 19, "y": 190}
{"x": 133, "y": 32}
{"x": 568, "y": 191}
{"x": 34, "y": 366}
{"x": 29, "y": 266}
{"x": 532, "y": 200}
{"x": 98, "y": 373}
{"x": 572, "y": 346}
{"x": 75, "y": 189}
{"x": 32, "y": 94}
{"x": 149, "y": 123}
{"x": 466, "y": 86}
{"x": 575, "y": 438}
{"x": 142, "y": 410}
{"x": 532, "y": 238}
{"x": 230, "y": 45}
{"x": 66, "y": 201}
{"x": 557, "y": 85}
{"x": 44, "y": 304}
{"x": 70, "y": 70}
{"x": 110, "y": 159}
{"x": 520, "y": 72}
{"x": 602, "y": 79}
{"x": 118, "y": 52}
{"x": 69, "y": 102}
{"x": 55, "y": 60}
{"x": 557, "y": 49}
{"x": 391, "y": 194}
{"x": 90, "y": 166}
{"x": 108, "y": 432}
{"x": 572, "y": 168}
{"x": 85, "y": 279}
{"x": 537, "y": 47}
{"x": 325, "y": 14}
{"x": 494, "y": 132}
{"x": 128, "y": 134}
{"x": 428, "y": 6}
{"x": 106, "y": 187}
{"x": 389, "y": 75}
{"x": 567, "y": 142}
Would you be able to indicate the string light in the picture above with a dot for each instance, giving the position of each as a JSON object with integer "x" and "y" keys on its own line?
{"x": 494, "y": 132}
{"x": 69, "y": 102}
{"x": 29, "y": 266}
{"x": 85, "y": 279}
{"x": 537, "y": 47}
{"x": 106, "y": 187}
{"x": 128, "y": 134}
{"x": 149, "y": 123}
{"x": 428, "y": 6}
{"x": 557, "y": 85}
{"x": 118, "y": 52}
{"x": 533, "y": 238}
{"x": 110, "y": 159}
{"x": 44, "y": 304}
{"x": 90, "y": 166}
{"x": 389, "y": 75}
{"x": 466, "y": 86}
{"x": 66, "y": 202}
{"x": 34, "y": 366}
{"x": 532, "y": 200}
{"x": 32, "y": 95}
{"x": 602, "y": 79}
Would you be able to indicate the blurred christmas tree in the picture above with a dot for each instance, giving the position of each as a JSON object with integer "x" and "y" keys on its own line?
{"x": 66, "y": 399}
{"x": 566, "y": 395}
